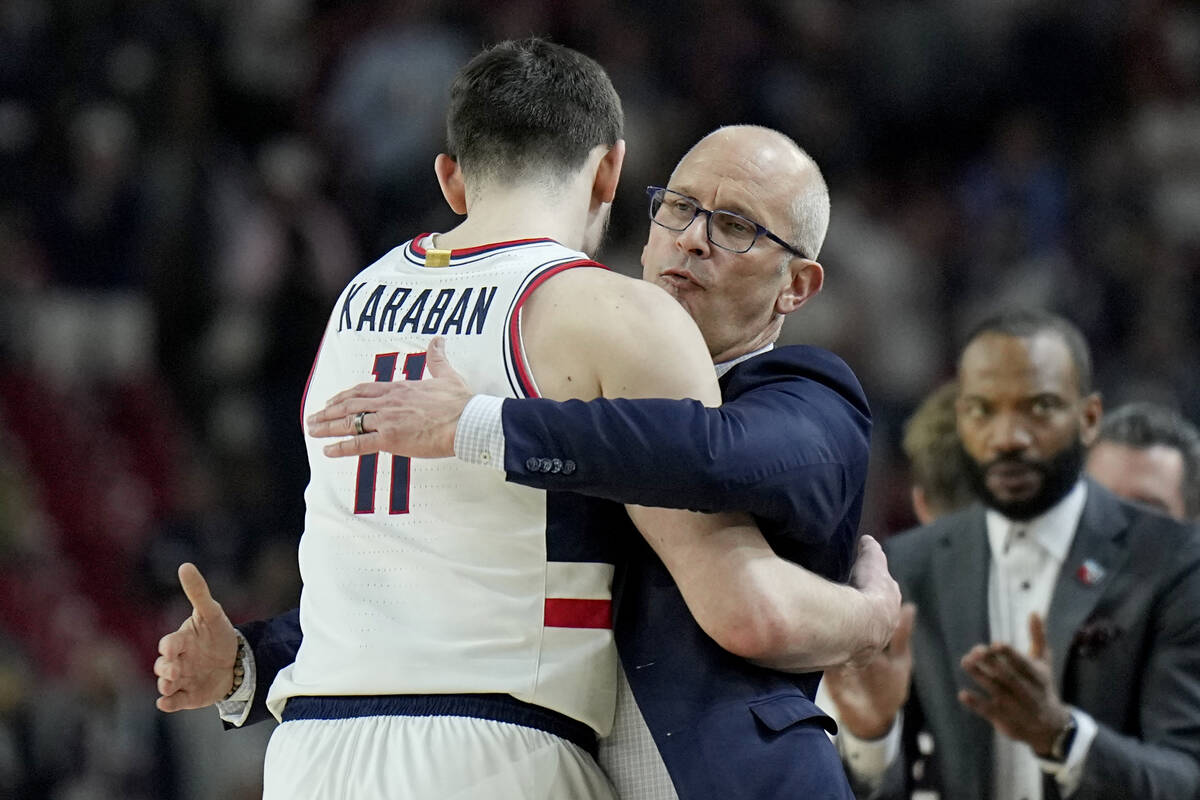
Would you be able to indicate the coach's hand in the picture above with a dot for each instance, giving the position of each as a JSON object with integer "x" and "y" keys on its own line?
{"x": 416, "y": 418}
{"x": 195, "y": 663}
{"x": 871, "y": 577}
{"x": 869, "y": 697}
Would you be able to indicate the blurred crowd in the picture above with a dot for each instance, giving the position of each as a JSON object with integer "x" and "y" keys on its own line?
{"x": 189, "y": 183}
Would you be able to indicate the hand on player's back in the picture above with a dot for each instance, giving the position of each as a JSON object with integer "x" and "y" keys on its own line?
{"x": 416, "y": 418}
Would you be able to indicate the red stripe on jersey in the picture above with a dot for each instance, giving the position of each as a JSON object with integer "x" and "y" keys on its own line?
{"x": 514, "y": 322}
{"x": 308, "y": 383}
{"x": 460, "y": 252}
{"x": 566, "y": 612}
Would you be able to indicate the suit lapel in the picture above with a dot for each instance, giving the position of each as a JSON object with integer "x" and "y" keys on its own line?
{"x": 962, "y": 562}
{"x": 962, "y": 565}
{"x": 1096, "y": 555}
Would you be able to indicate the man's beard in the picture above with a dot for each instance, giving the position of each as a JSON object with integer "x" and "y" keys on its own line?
{"x": 1058, "y": 474}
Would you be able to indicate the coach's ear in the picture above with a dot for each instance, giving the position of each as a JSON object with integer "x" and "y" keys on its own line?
{"x": 805, "y": 278}
{"x": 450, "y": 178}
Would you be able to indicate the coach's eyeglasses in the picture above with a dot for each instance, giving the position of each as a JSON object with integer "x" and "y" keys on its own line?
{"x": 725, "y": 229}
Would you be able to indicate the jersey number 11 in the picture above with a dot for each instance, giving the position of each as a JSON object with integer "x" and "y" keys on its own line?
{"x": 368, "y": 465}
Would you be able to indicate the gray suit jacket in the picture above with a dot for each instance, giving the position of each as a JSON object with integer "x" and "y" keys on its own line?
{"x": 1125, "y": 648}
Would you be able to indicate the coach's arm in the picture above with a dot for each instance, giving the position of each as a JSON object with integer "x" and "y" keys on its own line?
{"x": 789, "y": 444}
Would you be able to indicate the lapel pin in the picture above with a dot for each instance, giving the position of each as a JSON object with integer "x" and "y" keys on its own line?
{"x": 1089, "y": 573}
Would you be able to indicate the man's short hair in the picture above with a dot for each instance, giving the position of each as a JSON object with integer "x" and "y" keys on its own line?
{"x": 1026, "y": 323}
{"x": 934, "y": 452}
{"x": 530, "y": 107}
{"x": 809, "y": 214}
{"x": 1143, "y": 425}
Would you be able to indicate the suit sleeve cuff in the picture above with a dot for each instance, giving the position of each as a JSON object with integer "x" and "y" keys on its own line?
{"x": 236, "y": 708}
{"x": 479, "y": 437}
{"x": 1068, "y": 773}
{"x": 867, "y": 760}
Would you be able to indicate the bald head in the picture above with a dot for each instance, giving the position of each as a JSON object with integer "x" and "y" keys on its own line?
{"x": 796, "y": 193}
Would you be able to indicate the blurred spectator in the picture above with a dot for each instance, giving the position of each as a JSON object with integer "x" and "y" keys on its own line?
{"x": 97, "y": 735}
{"x": 268, "y": 63}
{"x": 93, "y": 323}
{"x": 935, "y": 455}
{"x": 384, "y": 112}
{"x": 16, "y": 688}
{"x": 285, "y": 251}
{"x": 1149, "y": 454}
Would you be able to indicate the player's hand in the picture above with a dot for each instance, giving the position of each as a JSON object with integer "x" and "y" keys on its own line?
{"x": 869, "y": 697}
{"x": 1018, "y": 695}
{"x": 416, "y": 418}
{"x": 195, "y": 663}
{"x": 871, "y": 577}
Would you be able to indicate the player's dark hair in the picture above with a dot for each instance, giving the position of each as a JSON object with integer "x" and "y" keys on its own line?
{"x": 1026, "y": 323}
{"x": 530, "y": 107}
{"x": 1142, "y": 425}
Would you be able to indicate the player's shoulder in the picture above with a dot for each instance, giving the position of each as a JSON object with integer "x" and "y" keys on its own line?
{"x": 381, "y": 267}
{"x": 599, "y": 295}
{"x": 586, "y": 272}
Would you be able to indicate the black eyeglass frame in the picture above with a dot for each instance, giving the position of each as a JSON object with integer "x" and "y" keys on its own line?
{"x": 759, "y": 230}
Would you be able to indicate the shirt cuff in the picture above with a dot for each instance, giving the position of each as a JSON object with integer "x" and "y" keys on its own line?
{"x": 867, "y": 760}
{"x": 479, "y": 437}
{"x": 1069, "y": 772}
{"x": 236, "y": 707}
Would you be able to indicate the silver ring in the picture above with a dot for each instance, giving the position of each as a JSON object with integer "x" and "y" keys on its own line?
{"x": 359, "y": 430}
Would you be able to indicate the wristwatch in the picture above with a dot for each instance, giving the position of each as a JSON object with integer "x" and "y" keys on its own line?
{"x": 1062, "y": 742}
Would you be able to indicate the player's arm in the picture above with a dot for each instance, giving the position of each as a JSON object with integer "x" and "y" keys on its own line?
{"x": 766, "y": 608}
{"x": 619, "y": 338}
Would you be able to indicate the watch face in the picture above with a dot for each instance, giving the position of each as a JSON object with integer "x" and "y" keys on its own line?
{"x": 1062, "y": 742}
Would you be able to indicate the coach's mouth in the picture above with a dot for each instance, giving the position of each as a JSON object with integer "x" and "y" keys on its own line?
{"x": 680, "y": 278}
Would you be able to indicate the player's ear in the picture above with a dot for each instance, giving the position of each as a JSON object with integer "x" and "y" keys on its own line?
{"x": 450, "y": 178}
{"x": 806, "y": 279}
{"x": 608, "y": 173}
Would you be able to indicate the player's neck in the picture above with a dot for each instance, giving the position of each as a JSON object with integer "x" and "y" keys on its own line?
{"x": 520, "y": 212}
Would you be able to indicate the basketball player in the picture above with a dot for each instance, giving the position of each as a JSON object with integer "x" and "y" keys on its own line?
{"x": 442, "y": 659}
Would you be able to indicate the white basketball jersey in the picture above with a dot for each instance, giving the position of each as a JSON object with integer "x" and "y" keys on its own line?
{"x": 437, "y": 576}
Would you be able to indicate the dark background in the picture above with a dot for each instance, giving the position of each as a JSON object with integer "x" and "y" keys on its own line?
{"x": 187, "y": 184}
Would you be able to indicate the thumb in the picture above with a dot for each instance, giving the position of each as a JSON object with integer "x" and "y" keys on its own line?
{"x": 865, "y": 543}
{"x": 1037, "y": 637}
{"x": 196, "y": 589}
{"x": 436, "y": 361}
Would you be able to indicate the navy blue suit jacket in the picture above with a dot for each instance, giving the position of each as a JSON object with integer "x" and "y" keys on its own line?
{"x": 789, "y": 446}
